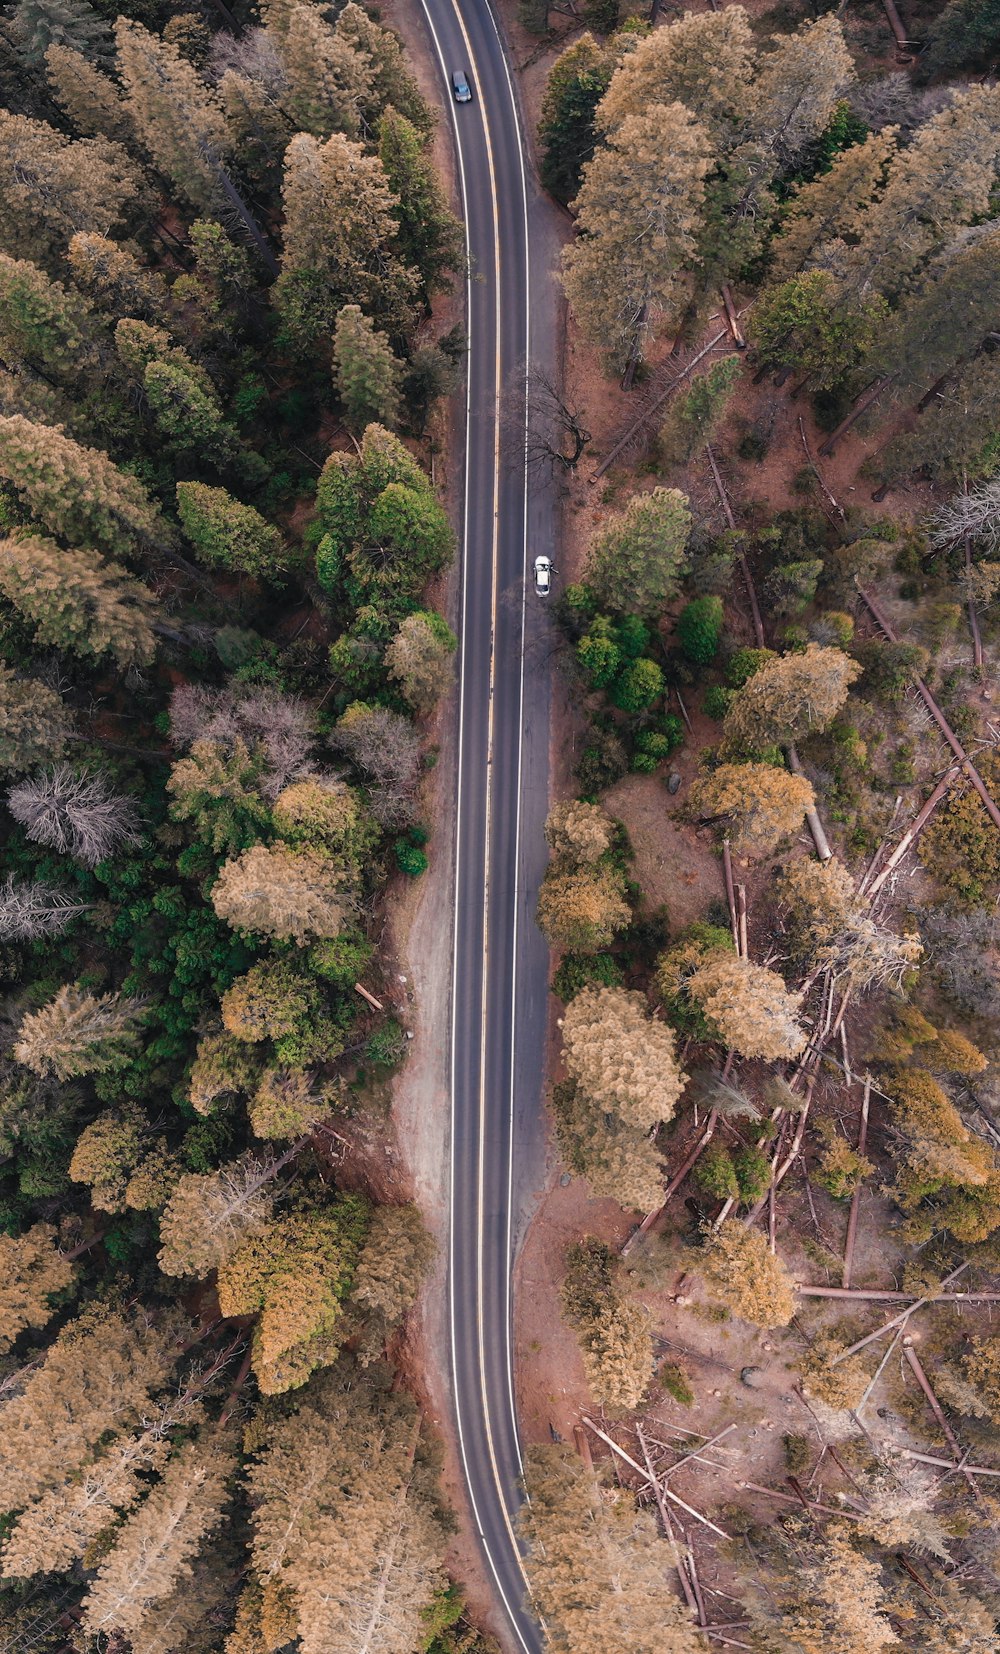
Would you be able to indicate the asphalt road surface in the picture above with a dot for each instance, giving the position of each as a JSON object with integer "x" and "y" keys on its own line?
{"x": 499, "y": 985}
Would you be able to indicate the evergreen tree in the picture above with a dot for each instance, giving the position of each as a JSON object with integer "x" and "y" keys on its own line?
{"x": 88, "y": 98}
{"x": 76, "y": 601}
{"x": 639, "y": 223}
{"x": 636, "y": 557}
{"x": 393, "y": 1262}
{"x": 567, "y": 131}
{"x": 594, "y": 1566}
{"x": 366, "y": 373}
{"x": 288, "y": 1102}
{"x": 578, "y": 834}
{"x": 420, "y": 658}
{"x": 189, "y": 418}
{"x": 619, "y": 1161}
{"x": 152, "y": 1551}
{"x": 789, "y": 698}
{"x": 613, "y": 1330}
{"x": 324, "y": 813}
{"x": 748, "y": 1006}
{"x": 78, "y": 492}
{"x": 340, "y": 239}
{"x": 956, "y": 432}
{"x": 114, "y": 280}
{"x": 42, "y": 327}
{"x": 948, "y": 318}
{"x": 705, "y": 61}
{"x": 34, "y": 725}
{"x": 52, "y": 186}
{"x": 801, "y": 324}
{"x": 761, "y": 804}
{"x": 225, "y": 533}
{"x": 392, "y": 85}
{"x": 294, "y": 1274}
{"x": 32, "y": 1269}
{"x": 798, "y": 86}
{"x": 107, "y": 1153}
{"x": 622, "y": 1059}
{"x": 582, "y": 908}
{"x": 828, "y": 206}
{"x": 210, "y": 1215}
{"x": 745, "y": 1276}
{"x": 78, "y": 1033}
{"x": 69, "y": 24}
{"x": 97, "y": 1377}
{"x": 431, "y": 238}
{"x": 219, "y": 792}
{"x": 694, "y": 416}
{"x": 328, "y": 81}
{"x": 964, "y": 32}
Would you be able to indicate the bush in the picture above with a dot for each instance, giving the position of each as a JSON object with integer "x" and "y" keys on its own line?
{"x": 638, "y": 686}
{"x": 699, "y": 628}
{"x": 581, "y": 970}
{"x": 743, "y": 663}
{"x": 753, "y": 1174}
{"x": 674, "y": 1380}
{"x": 410, "y": 859}
{"x": 717, "y": 701}
{"x": 715, "y": 1174}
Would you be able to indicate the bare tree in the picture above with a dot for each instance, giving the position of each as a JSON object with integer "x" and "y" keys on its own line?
{"x": 32, "y": 909}
{"x": 976, "y": 514}
{"x": 75, "y": 812}
{"x": 385, "y": 747}
{"x": 277, "y": 727}
{"x": 555, "y": 433}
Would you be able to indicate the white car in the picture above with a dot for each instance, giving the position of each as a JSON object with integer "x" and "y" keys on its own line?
{"x": 543, "y": 575}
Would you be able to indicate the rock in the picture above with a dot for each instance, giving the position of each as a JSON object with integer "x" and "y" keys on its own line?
{"x": 565, "y": 1180}
{"x": 752, "y": 1377}
{"x": 674, "y": 781}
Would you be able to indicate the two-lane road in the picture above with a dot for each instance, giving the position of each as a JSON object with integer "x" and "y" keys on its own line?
{"x": 499, "y": 963}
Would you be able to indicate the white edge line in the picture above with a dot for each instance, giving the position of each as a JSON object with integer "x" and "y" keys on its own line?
{"x": 463, "y": 190}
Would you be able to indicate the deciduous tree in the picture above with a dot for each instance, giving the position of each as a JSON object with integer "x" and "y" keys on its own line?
{"x": 385, "y": 531}
{"x": 578, "y": 833}
{"x": 385, "y": 747}
{"x": 274, "y": 1001}
{"x": 324, "y": 812}
{"x": 420, "y": 658}
{"x": 636, "y": 557}
{"x": 218, "y": 792}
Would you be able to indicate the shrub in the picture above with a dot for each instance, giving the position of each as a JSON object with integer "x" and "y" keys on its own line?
{"x": 581, "y": 970}
{"x": 699, "y": 628}
{"x": 717, "y": 701}
{"x": 638, "y": 686}
{"x": 715, "y": 1174}
{"x": 410, "y": 859}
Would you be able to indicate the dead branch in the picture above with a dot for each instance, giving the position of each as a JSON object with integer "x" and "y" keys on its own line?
{"x": 897, "y": 1320}
{"x": 653, "y": 407}
{"x": 727, "y": 869}
{"x": 742, "y": 946}
{"x": 915, "y": 827}
{"x": 651, "y": 1480}
{"x": 668, "y": 1528}
{"x": 896, "y": 1297}
{"x": 935, "y": 1406}
{"x": 758, "y": 624}
{"x": 739, "y": 339}
{"x": 852, "y": 1220}
{"x": 813, "y": 822}
{"x": 583, "y": 1446}
{"x": 796, "y": 1499}
{"x": 674, "y": 1184}
{"x": 814, "y": 468}
{"x": 861, "y": 406}
{"x": 376, "y": 1004}
{"x": 946, "y": 1464}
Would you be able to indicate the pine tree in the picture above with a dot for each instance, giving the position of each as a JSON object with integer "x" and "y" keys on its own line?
{"x": 965, "y": 31}
{"x": 613, "y": 1330}
{"x": 78, "y": 1033}
{"x": 345, "y": 1517}
{"x": 107, "y": 1153}
{"x": 288, "y": 1102}
{"x": 578, "y": 834}
{"x": 745, "y": 1276}
{"x": 78, "y": 492}
{"x": 582, "y": 908}
{"x": 289, "y": 894}
{"x": 619, "y": 1161}
{"x": 294, "y": 1275}
{"x": 189, "y": 419}
{"x": 393, "y": 1262}
{"x": 705, "y": 61}
{"x": 761, "y": 804}
{"x": 339, "y": 238}
{"x": 789, "y": 698}
{"x": 210, "y": 1215}
{"x": 567, "y": 131}
{"x": 802, "y": 324}
{"x": 621, "y": 1058}
{"x": 382, "y": 522}
{"x": 798, "y": 85}
{"x": 749, "y": 1007}
{"x": 831, "y": 1599}
{"x": 37, "y": 25}
{"x": 114, "y": 280}
{"x": 948, "y": 318}
{"x": 939, "y": 183}
{"x": 639, "y": 224}
{"x": 222, "y": 1066}
{"x": 76, "y": 601}
{"x": 420, "y": 658}
{"x": 32, "y": 1269}
{"x": 392, "y": 85}
{"x": 53, "y": 185}
{"x": 636, "y": 558}
{"x": 274, "y": 1001}
{"x": 366, "y": 372}
{"x": 594, "y": 1565}
{"x": 693, "y": 417}
{"x": 328, "y": 81}
{"x": 97, "y": 1377}
{"x": 822, "y": 210}
{"x": 42, "y": 327}
{"x": 955, "y": 433}
{"x": 152, "y": 1551}
{"x": 228, "y": 534}
{"x": 34, "y": 725}
{"x": 88, "y": 98}
{"x": 431, "y": 238}
{"x": 219, "y": 793}
{"x": 75, "y": 812}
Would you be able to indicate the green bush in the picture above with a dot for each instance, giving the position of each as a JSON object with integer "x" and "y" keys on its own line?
{"x": 753, "y": 1174}
{"x": 586, "y": 970}
{"x": 743, "y": 663}
{"x": 715, "y": 1174}
{"x": 410, "y": 859}
{"x": 717, "y": 701}
{"x": 638, "y": 686}
{"x": 675, "y": 1381}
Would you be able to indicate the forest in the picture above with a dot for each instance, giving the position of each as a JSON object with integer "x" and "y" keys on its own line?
{"x": 221, "y": 374}
{"x": 774, "y": 862}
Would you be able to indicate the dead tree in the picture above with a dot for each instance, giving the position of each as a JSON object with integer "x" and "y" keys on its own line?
{"x": 555, "y": 433}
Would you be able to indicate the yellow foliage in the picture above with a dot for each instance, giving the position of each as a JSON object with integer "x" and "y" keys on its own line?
{"x": 744, "y": 1274}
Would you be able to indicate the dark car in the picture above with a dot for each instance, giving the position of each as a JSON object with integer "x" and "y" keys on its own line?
{"x": 460, "y": 86}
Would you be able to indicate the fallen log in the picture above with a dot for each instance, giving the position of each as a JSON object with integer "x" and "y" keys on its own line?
{"x": 915, "y": 827}
{"x": 896, "y": 1297}
{"x": 946, "y": 1430}
{"x": 652, "y": 408}
{"x": 861, "y": 406}
{"x": 946, "y": 1464}
{"x": 668, "y": 1527}
{"x": 667, "y": 1492}
{"x": 897, "y": 1320}
{"x": 852, "y": 1219}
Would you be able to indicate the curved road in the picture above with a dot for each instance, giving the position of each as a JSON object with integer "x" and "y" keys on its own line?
{"x": 500, "y": 962}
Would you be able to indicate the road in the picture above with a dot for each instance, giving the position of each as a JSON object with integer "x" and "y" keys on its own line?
{"x": 500, "y": 962}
